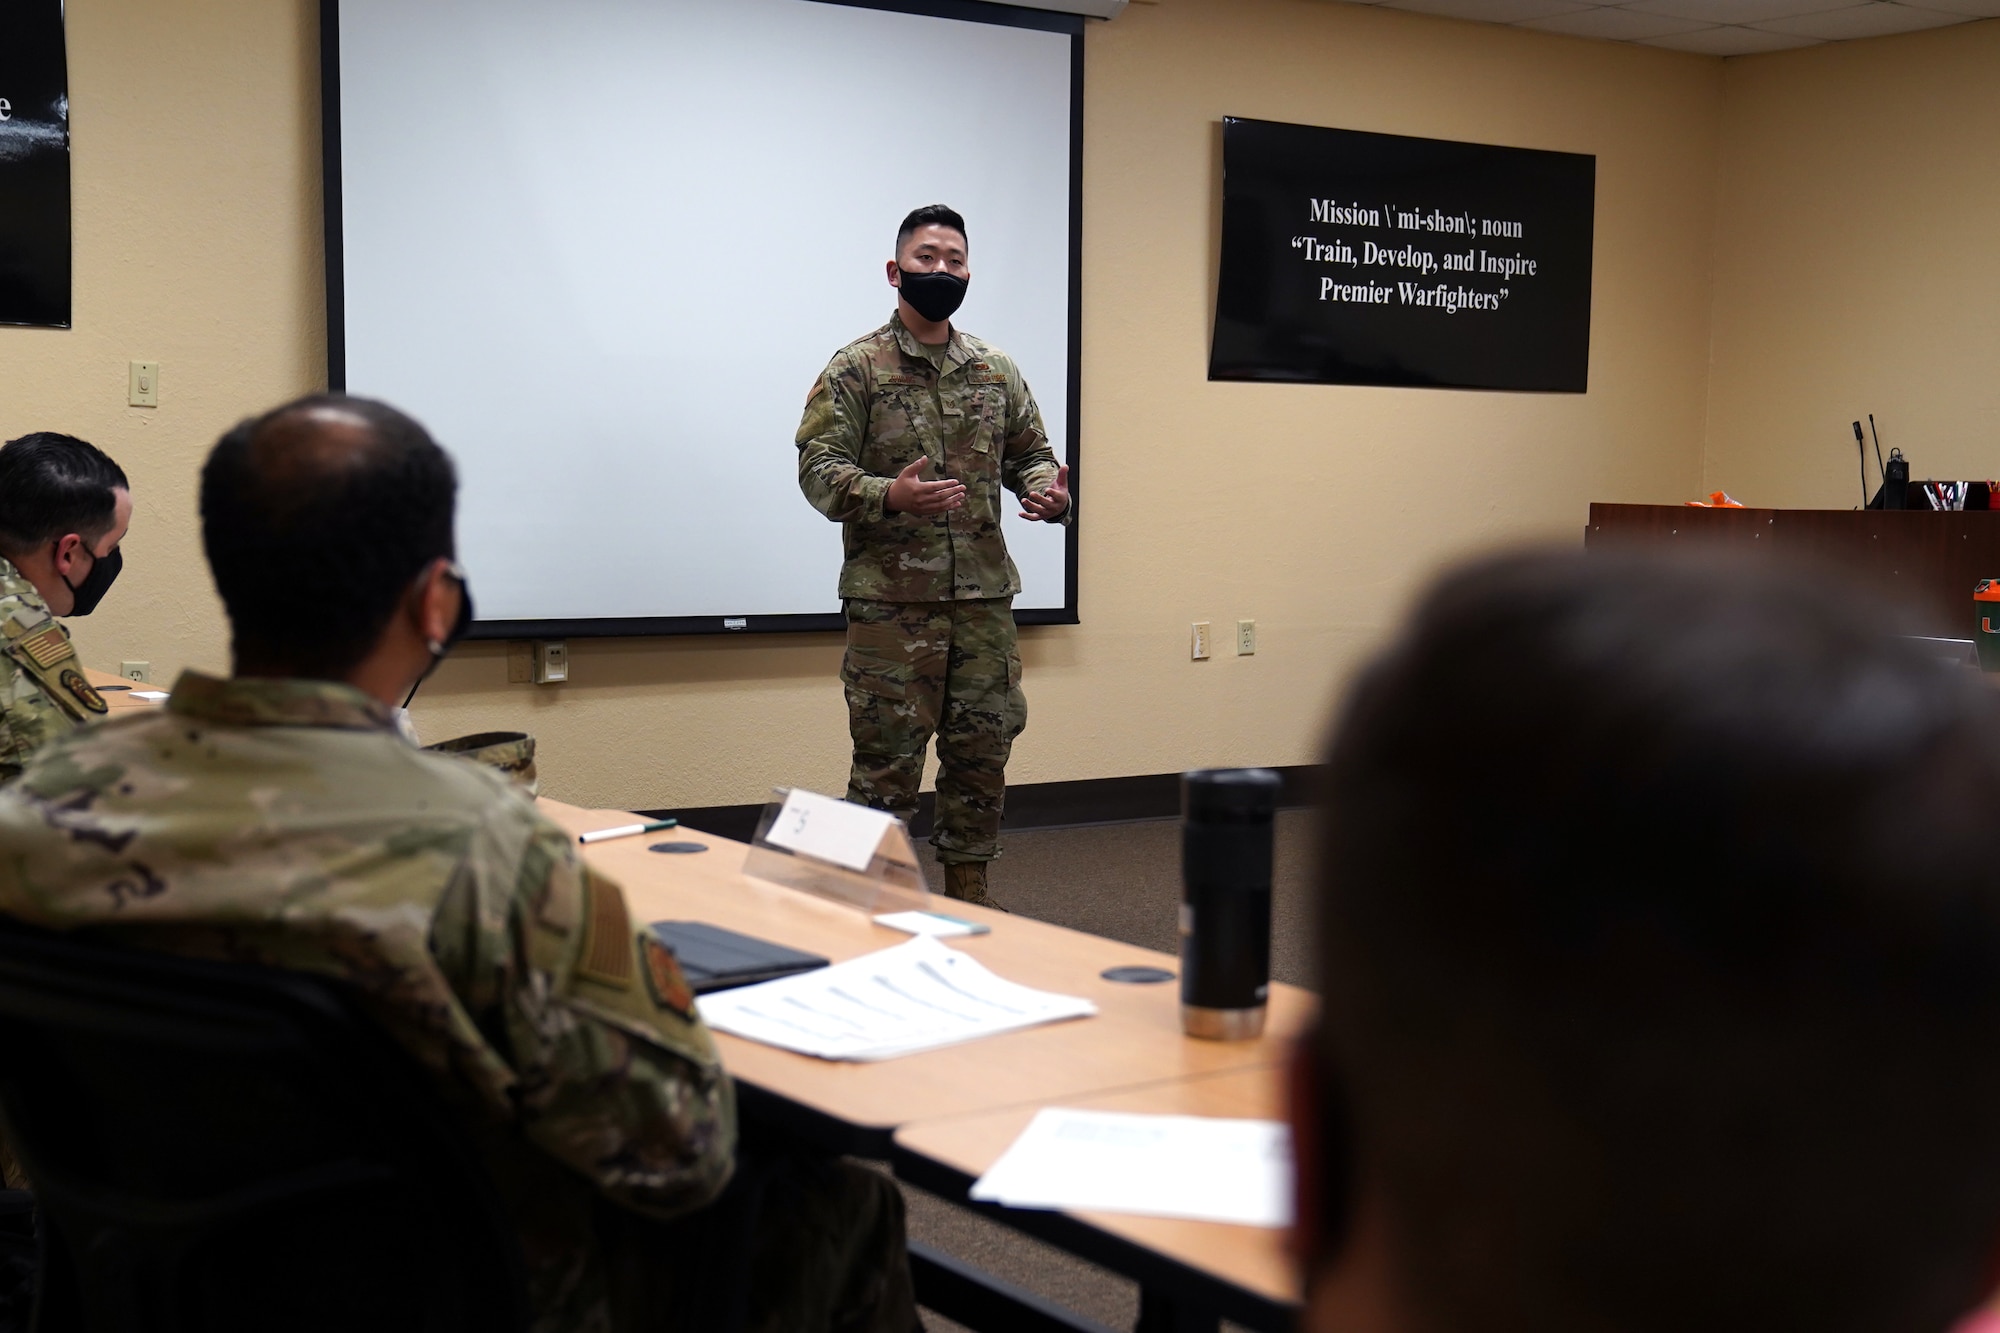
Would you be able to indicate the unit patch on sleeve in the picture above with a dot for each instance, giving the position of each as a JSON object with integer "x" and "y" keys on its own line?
{"x": 664, "y": 977}
{"x": 81, "y": 690}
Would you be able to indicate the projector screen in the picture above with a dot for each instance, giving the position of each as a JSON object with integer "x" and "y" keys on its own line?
{"x": 602, "y": 249}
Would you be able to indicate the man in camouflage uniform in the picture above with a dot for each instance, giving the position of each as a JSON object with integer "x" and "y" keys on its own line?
{"x": 279, "y": 817}
{"x": 927, "y": 582}
{"x": 64, "y": 508}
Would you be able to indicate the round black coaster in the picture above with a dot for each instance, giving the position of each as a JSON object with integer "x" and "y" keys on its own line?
{"x": 1137, "y": 976}
{"x": 684, "y": 848}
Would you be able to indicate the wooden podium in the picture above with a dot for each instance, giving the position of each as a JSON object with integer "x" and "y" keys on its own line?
{"x": 1925, "y": 560}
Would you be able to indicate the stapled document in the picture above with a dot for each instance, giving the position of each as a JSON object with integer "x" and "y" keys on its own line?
{"x": 1196, "y": 1167}
{"x": 914, "y": 997}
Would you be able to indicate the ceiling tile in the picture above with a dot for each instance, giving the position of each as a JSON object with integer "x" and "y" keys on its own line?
{"x": 1490, "y": 11}
{"x": 1870, "y": 20}
{"x": 1972, "y": 9}
{"x": 1729, "y": 41}
{"x": 1736, "y": 11}
{"x": 1618, "y": 25}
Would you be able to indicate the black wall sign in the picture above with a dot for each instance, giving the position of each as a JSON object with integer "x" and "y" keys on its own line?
{"x": 1352, "y": 258}
{"x": 34, "y": 164}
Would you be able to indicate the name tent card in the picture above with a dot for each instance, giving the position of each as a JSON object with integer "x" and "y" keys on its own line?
{"x": 1358, "y": 258}
{"x": 837, "y": 850}
{"x": 832, "y": 830}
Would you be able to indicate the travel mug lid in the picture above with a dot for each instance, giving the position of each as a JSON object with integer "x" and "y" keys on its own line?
{"x": 1230, "y": 795}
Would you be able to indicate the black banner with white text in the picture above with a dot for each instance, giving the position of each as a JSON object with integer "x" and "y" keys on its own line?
{"x": 1357, "y": 258}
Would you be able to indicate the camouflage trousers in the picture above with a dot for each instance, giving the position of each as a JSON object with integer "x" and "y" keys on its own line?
{"x": 947, "y": 669}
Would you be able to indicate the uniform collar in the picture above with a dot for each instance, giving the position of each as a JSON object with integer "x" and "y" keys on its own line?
{"x": 252, "y": 702}
{"x": 15, "y": 584}
{"x": 955, "y": 350}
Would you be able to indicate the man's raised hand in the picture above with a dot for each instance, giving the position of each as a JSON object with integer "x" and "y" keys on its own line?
{"x": 909, "y": 493}
{"x": 1049, "y": 503}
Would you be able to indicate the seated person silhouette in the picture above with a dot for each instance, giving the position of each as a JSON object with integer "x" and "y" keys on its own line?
{"x": 1659, "y": 928}
{"x": 279, "y": 817}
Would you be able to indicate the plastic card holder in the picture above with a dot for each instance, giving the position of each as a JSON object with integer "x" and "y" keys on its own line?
{"x": 836, "y": 850}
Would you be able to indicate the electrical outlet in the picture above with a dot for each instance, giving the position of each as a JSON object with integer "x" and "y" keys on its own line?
{"x": 520, "y": 662}
{"x": 139, "y": 671}
{"x": 1198, "y": 644}
{"x": 142, "y": 384}
{"x": 551, "y": 662}
{"x": 1246, "y": 638}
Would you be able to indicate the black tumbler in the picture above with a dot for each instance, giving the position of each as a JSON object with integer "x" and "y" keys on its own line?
{"x": 1226, "y": 836}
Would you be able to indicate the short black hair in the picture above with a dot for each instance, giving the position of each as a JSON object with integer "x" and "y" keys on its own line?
{"x": 1660, "y": 939}
{"x": 317, "y": 517}
{"x": 930, "y": 215}
{"x": 52, "y": 485}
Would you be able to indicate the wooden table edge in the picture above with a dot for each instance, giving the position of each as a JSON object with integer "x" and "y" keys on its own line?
{"x": 1076, "y": 1234}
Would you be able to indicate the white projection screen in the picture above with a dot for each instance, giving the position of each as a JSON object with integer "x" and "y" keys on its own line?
{"x": 603, "y": 248}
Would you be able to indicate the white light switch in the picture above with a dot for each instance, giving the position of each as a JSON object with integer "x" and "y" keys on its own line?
{"x": 143, "y": 384}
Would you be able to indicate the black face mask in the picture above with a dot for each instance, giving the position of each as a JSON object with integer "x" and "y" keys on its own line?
{"x": 935, "y": 296}
{"x": 103, "y": 573}
{"x": 439, "y": 651}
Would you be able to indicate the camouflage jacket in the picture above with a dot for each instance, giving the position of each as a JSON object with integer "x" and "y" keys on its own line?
{"x": 878, "y": 407}
{"x": 287, "y": 823}
{"x": 43, "y": 693}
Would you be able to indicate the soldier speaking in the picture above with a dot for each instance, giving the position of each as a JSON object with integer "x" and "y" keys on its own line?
{"x": 908, "y": 436}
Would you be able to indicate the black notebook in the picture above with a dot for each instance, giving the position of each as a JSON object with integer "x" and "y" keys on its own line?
{"x": 717, "y": 959}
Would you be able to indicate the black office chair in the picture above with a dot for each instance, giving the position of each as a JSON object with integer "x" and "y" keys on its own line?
{"x": 218, "y": 1148}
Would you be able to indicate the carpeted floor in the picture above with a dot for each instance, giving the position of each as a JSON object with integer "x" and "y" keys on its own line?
{"x": 1121, "y": 881}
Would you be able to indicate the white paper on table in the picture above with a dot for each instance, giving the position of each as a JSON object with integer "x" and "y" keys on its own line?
{"x": 913, "y": 997}
{"x": 923, "y": 923}
{"x": 1196, "y": 1167}
{"x": 836, "y": 831}
{"x": 150, "y": 696}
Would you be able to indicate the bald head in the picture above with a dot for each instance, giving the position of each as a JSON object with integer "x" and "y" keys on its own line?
{"x": 317, "y": 517}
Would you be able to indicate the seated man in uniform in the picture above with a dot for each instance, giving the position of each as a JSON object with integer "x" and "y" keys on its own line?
{"x": 433, "y": 889}
{"x": 64, "y": 507}
{"x": 1660, "y": 936}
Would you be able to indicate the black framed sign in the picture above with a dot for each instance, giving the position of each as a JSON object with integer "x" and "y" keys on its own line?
{"x": 34, "y": 165}
{"x": 1357, "y": 258}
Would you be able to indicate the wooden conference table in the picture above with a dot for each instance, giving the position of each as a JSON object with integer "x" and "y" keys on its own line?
{"x": 941, "y": 1117}
{"x": 118, "y": 692}
{"x": 947, "y": 1155}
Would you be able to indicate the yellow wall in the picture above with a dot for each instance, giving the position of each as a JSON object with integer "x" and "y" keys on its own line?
{"x": 1857, "y": 267}
{"x": 1313, "y": 509}
{"x": 195, "y": 217}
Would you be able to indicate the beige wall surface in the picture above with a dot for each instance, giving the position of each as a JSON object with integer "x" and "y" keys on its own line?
{"x": 1313, "y": 509}
{"x": 1856, "y": 265}
{"x": 195, "y": 222}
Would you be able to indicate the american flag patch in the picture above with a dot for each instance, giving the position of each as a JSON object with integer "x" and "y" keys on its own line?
{"x": 607, "y": 940}
{"x": 46, "y": 646}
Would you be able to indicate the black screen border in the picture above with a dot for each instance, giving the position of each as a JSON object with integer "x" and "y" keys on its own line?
{"x": 973, "y": 11}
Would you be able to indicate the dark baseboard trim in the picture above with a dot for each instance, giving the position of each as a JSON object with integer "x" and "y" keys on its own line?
{"x": 1030, "y": 805}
